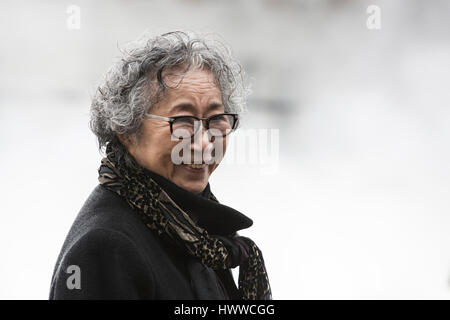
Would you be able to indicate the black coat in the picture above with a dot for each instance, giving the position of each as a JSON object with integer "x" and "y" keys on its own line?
{"x": 121, "y": 258}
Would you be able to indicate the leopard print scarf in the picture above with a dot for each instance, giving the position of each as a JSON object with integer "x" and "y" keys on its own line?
{"x": 161, "y": 214}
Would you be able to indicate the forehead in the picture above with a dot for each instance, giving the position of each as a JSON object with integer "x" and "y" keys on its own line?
{"x": 196, "y": 83}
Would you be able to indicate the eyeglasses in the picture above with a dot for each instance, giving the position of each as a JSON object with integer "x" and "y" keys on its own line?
{"x": 183, "y": 127}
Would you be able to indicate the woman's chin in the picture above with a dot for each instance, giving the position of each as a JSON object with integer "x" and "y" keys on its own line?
{"x": 191, "y": 186}
{"x": 194, "y": 187}
{"x": 193, "y": 180}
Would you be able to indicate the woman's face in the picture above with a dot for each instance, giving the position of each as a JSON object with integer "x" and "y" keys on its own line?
{"x": 196, "y": 95}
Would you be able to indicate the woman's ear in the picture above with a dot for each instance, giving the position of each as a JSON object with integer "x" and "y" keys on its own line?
{"x": 127, "y": 142}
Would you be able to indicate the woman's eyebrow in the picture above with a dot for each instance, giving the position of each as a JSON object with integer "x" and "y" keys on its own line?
{"x": 213, "y": 106}
{"x": 183, "y": 107}
{"x": 191, "y": 108}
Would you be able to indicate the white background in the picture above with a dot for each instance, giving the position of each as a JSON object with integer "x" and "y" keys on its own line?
{"x": 359, "y": 206}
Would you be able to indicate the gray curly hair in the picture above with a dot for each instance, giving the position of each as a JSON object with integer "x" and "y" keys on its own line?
{"x": 135, "y": 83}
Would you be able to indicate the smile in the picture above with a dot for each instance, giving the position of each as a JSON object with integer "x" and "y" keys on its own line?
{"x": 195, "y": 167}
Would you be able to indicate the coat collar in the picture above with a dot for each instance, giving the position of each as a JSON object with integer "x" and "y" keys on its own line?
{"x": 215, "y": 217}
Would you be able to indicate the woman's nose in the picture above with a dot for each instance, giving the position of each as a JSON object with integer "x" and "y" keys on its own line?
{"x": 201, "y": 137}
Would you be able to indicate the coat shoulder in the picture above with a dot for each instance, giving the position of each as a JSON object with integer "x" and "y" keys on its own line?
{"x": 104, "y": 244}
{"x": 105, "y": 210}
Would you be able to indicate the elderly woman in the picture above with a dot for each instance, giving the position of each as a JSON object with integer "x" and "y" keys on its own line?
{"x": 152, "y": 228}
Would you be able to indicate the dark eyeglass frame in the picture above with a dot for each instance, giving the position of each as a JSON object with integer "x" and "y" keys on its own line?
{"x": 171, "y": 120}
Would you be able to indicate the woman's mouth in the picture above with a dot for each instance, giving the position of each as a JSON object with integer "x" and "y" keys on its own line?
{"x": 198, "y": 168}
